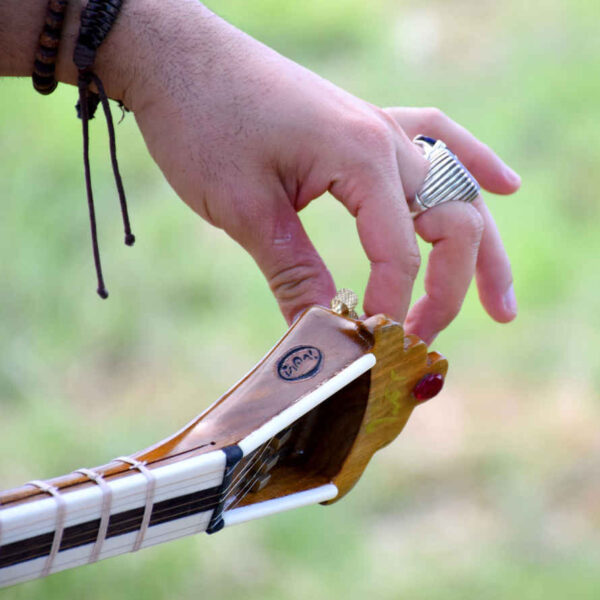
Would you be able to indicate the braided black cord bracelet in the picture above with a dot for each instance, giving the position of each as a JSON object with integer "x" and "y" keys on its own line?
{"x": 97, "y": 20}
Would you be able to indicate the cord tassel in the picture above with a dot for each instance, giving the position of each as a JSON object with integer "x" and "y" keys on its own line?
{"x": 129, "y": 237}
{"x": 82, "y": 84}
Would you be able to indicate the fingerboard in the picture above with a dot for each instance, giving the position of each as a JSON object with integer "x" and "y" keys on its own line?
{"x": 185, "y": 497}
{"x": 185, "y": 503}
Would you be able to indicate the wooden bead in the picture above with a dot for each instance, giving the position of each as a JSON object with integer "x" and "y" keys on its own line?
{"x": 46, "y": 54}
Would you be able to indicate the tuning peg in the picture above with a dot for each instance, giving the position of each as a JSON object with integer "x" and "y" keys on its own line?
{"x": 344, "y": 303}
{"x": 281, "y": 439}
{"x": 260, "y": 483}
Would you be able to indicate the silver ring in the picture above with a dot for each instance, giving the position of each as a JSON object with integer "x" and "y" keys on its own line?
{"x": 447, "y": 178}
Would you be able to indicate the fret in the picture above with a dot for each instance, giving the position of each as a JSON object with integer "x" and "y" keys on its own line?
{"x": 107, "y": 495}
{"x": 150, "y": 492}
{"x": 59, "y": 528}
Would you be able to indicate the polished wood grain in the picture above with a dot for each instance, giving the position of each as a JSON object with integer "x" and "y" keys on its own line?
{"x": 338, "y": 438}
{"x": 401, "y": 363}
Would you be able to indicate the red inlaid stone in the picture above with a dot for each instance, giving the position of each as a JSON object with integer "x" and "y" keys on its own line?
{"x": 428, "y": 387}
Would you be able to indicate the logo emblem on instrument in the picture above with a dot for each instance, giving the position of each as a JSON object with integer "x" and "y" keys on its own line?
{"x": 300, "y": 363}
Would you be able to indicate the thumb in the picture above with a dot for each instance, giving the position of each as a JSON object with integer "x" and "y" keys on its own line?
{"x": 274, "y": 236}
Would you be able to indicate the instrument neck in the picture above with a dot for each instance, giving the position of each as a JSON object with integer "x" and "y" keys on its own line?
{"x": 59, "y": 529}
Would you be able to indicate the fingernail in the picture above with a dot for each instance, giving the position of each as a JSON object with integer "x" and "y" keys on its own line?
{"x": 510, "y": 301}
{"x": 511, "y": 176}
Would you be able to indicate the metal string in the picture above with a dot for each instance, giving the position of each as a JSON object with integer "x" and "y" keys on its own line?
{"x": 251, "y": 482}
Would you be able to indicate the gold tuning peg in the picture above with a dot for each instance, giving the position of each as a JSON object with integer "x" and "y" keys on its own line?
{"x": 344, "y": 303}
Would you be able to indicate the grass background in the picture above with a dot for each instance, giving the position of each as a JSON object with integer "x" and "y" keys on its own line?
{"x": 493, "y": 490}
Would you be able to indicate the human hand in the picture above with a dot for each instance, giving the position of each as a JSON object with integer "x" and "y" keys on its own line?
{"x": 248, "y": 138}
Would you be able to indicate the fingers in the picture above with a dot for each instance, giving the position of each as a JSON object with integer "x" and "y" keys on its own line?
{"x": 455, "y": 230}
{"x": 465, "y": 241}
{"x": 276, "y": 239}
{"x": 386, "y": 232}
{"x": 364, "y": 176}
{"x": 491, "y": 172}
{"x": 494, "y": 275}
{"x": 448, "y": 277}
{"x": 370, "y": 180}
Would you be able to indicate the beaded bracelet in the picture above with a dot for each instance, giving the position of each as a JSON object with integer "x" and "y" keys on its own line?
{"x": 45, "y": 57}
{"x": 97, "y": 19}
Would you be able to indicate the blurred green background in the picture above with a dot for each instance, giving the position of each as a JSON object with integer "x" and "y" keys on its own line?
{"x": 493, "y": 490}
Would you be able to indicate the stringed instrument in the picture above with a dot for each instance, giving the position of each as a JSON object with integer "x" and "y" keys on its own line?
{"x": 298, "y": 429}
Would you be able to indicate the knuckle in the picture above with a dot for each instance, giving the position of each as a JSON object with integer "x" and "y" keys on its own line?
{"x": 373, "y": 134}
{"x": 293, "y": 285}
{"x": 386, "y": 116}
{"x": 473, "y": 225}
{"x": 412, "y": 263}
{"x": 434, "y": 117}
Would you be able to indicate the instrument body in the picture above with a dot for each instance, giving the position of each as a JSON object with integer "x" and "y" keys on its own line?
{"x": 298, "y": 429}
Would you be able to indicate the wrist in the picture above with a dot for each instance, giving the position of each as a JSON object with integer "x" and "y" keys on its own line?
{"x": 118, "y": 58}
{"x": 120, "y": 61}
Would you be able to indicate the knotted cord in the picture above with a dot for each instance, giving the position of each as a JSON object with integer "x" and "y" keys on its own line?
{"x": 96, "y": 21}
